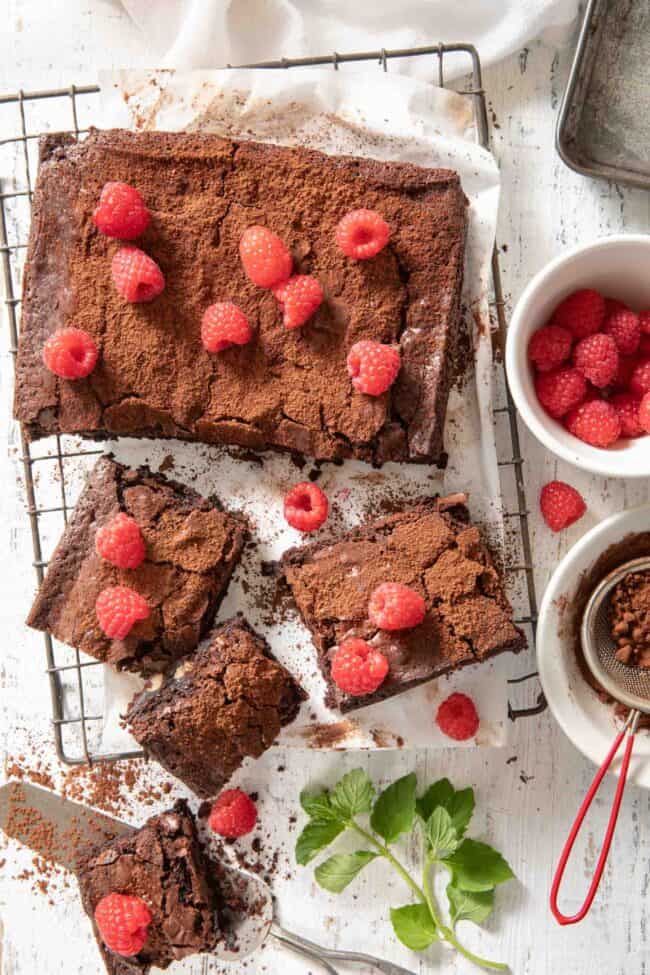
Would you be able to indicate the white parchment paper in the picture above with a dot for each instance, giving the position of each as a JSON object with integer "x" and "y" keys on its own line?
{"x": 386, "y": 117}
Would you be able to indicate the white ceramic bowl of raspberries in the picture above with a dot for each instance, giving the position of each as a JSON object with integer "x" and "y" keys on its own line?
{"x": 578, "y": 356}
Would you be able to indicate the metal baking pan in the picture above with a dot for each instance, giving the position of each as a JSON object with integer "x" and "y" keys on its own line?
{"x": 603, "y": 129}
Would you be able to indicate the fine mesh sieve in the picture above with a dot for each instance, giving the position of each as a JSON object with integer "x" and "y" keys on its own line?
{"x": 629, "y": 685}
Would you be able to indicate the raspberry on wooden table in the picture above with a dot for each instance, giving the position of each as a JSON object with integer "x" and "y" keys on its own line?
{"x": 393, "y": 606}
{"x": 223, "y": 325}
{"x": 120, "y": 542}
{"x": 70, "y": 353}
{"x": 597, "y": 359}
{"x": 266, "y": 259}
{"x": 560, "y": 505}
{"x": 357, "y": 668}
{"x": 560, "y": 390}
{"x": 582, "y": 313}
{"x": 299, "y": 297}
{"x": 640, "y": 378}
{"x": 457, "y": 717}
{"x": 373, "y": 366}
{"x": 233, "y": 814}
{"x": 625, "y": 328}
{"x": 362, "y": 234}
{"x": 644, "y": 413}
{"x": 550, "y": 346}
{"x": 306, "y": 507}
{"x": 118, "y": 609}
{"x": 595, "y": 422}
{"x": 121, "y": 212}
{"x": 137, "y": 277}
{"x": 627, "y": 407}
{"x": 123, "y": 921}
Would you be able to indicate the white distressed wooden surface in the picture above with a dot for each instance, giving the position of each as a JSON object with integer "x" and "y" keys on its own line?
{"x": 525, "y": 806}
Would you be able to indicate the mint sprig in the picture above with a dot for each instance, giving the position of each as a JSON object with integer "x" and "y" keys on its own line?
{"x": 441, "y": 816}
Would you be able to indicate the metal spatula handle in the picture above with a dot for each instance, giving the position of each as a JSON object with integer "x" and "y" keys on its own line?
{"x": 628, "y": 729}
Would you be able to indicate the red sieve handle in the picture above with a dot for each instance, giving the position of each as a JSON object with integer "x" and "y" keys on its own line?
{"x": 630, "y": 725}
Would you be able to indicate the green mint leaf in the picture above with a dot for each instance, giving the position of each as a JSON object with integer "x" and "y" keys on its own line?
{"x": 337, "y": 872}
{"x": 394, "y": 811}
{"x": 476, "y": 866}
{"x": 414, "y": 926}
{"x": 353, "y": 794}
{"x": 438, "y": 794}
{"x": 441, "y": 836}
{"x": 459, "y": 805}
{"x": 316, "y": 835}
{"x": 467, "y": 905}
{"x": 318, "y": 805}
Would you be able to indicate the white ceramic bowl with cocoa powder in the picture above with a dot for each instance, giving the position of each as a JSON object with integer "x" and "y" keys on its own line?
{"x": 588, "y": 720}
{"x": 618, "y": 267}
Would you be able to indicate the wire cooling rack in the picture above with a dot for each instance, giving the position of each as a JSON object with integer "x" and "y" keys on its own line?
{"x": 75, "y": 680}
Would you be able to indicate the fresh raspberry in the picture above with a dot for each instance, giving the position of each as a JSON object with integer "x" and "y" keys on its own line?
{"x": 596, "y": 423}
{"x": 640, "y": 378}
{"x": 625, "y": 328}
{"x": 306, "y": 507}
{"x": 560, "y": 390}
{"x": 299, "y": 297}
{"x": 457, "y": 717}
{"x": 357, "y": 668}
{"x": 123, "y": 921}
{"x": 582, "y": 313}
{"x": 70, "y": 353}
{"x": 233, "y": 814}
{"x": 393, "y": 606}
{"x": 644, "y": 322}
{"x": 560, "y": 505}
{"x": 121, "y": 212}
{"x": 373, "y": 366}
{"x": 644, "y": 413}
{"x": 118, "y": 608}
{"x": 626, "y": 366}
{"x": 627, "y": 407}
{"x": 362, "y": 234}
{"x": 597, "y": 359}
{"x": 137, "y": 277}
{"x": 549, "y": 347}
{"x": 266, "y": 259}
{"x": 644, "y": 346}
{"x": 120, "y": 542}
{"x": 612, "y": 305}
{"x": 223, "y": 325}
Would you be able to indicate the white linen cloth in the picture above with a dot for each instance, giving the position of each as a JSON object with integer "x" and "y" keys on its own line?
{"x": 214, "y": 33}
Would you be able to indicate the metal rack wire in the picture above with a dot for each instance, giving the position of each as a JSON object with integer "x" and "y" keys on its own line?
{"x": 75, "y": 730}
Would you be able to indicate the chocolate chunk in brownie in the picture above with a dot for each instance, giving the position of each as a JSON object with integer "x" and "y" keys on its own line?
{"x": 287, "y": 389}
{"x": 226, "y": 702}
{"x": 192, "y": 548}
{"x": 163, "y": 863}
{"x": 430, "y": 547}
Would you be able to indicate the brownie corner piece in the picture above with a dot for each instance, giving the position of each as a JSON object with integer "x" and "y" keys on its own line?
{"x": 223, "y": 704}
{"x": 192, "y": 548}
{"x": 431, "y": 547}
{"x": 164, "y": 864}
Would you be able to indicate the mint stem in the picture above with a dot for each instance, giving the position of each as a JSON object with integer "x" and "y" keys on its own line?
{"x": 385, "y": 852}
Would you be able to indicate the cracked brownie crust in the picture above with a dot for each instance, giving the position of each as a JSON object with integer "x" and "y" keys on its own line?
{"x": 431, "y": 547}
{"x": 225, "y": 703}
{"x": 286, "y": 390}
{"x": 192, "y": 548}
{"x": 163, "y": 864}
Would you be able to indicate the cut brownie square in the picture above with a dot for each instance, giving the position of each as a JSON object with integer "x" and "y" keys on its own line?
{"x": 192, "y": 548}
{"x": 286, "y": 389}
{"x": 162, "y": 863}
{"x": 430, "y": 547}
{"x": 225, "y": 703}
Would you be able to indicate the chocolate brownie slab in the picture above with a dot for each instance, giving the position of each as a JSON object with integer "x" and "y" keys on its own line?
{"x": 192, "y": 548}
{"x": 163, "y": 864}
{"x": 226, "y": 702}
{"x": 430, "y": 547}
{"x": 285, "y": 390}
